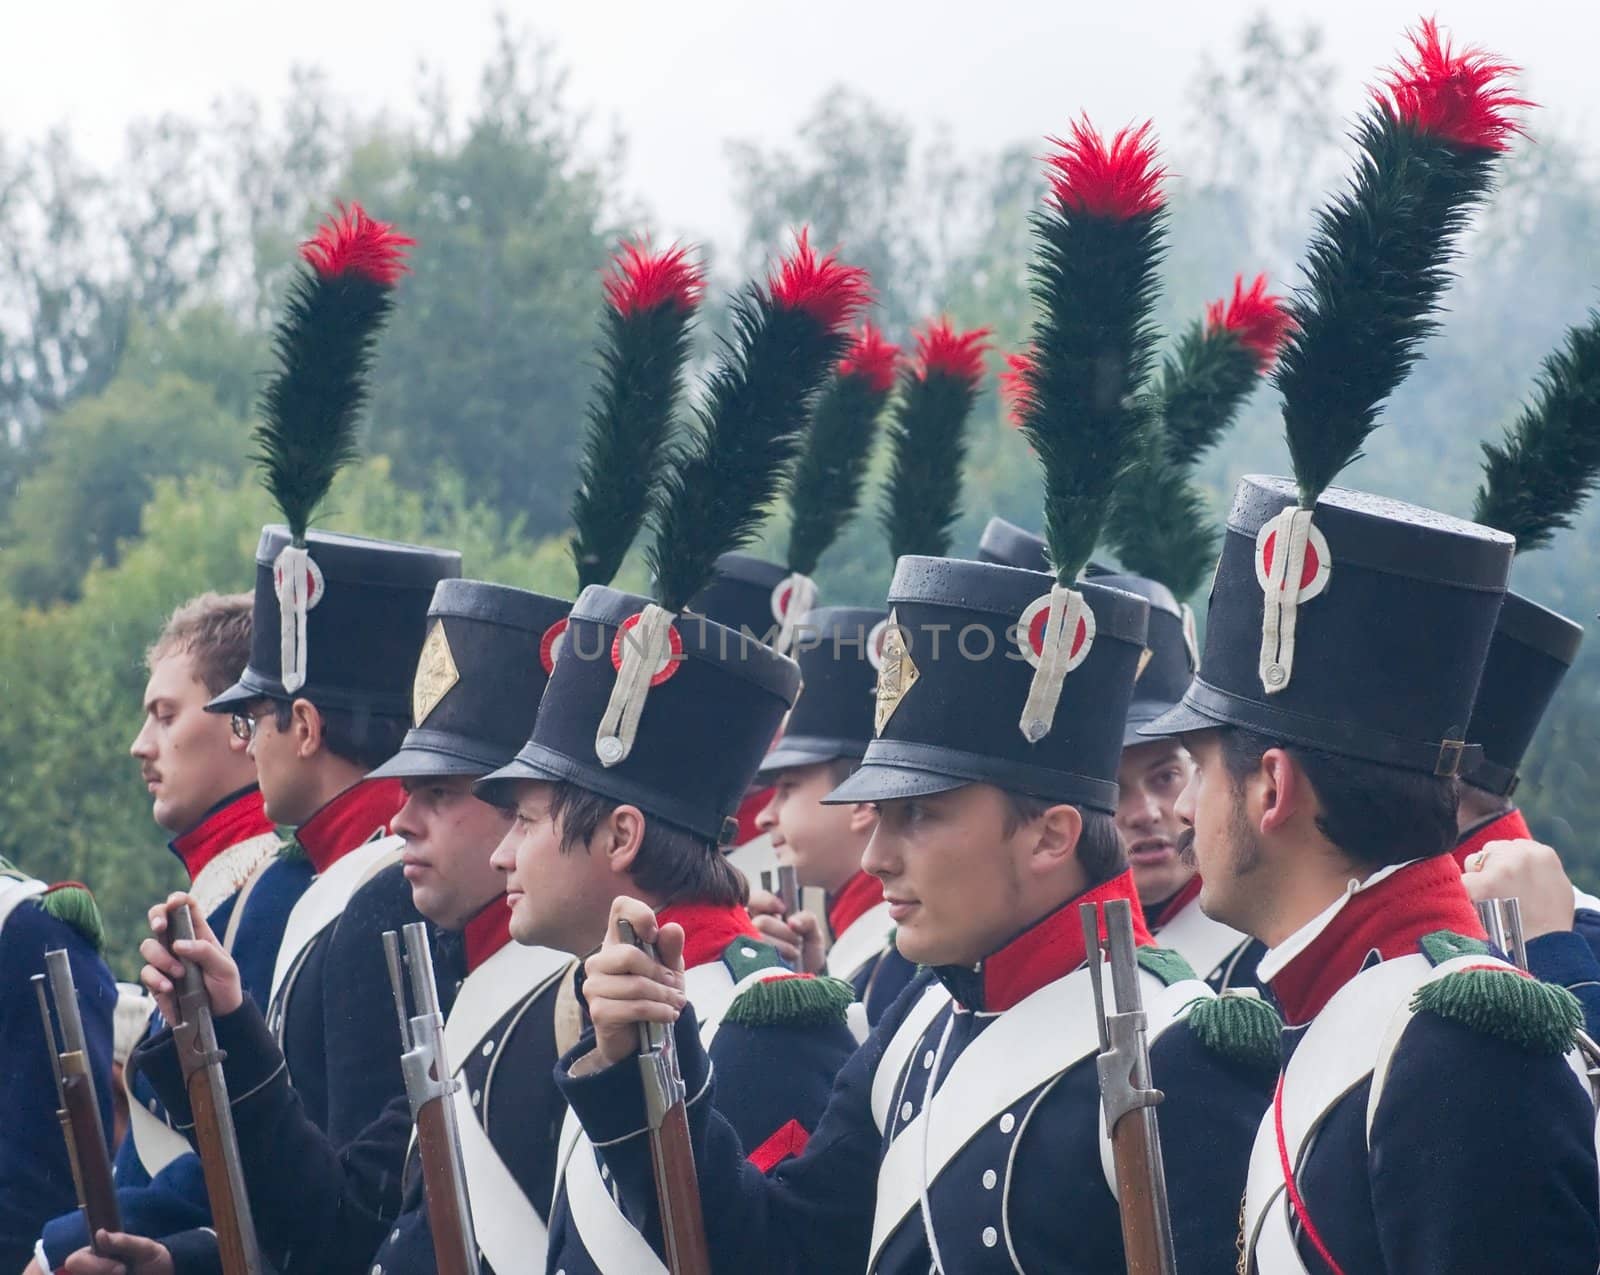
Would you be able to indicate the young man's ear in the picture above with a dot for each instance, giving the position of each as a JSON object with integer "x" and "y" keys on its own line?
{"x": 305, "y": 724}
{"x": 619, "y": 837}
{"x": 863, "y": 817}
{"x": 1060, "y": 830}
{"x": 1277, "y": 792}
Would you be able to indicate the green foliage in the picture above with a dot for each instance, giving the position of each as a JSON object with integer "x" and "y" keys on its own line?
{"x": 97, "y": 465}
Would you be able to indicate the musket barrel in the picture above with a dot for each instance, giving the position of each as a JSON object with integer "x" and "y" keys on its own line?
{"x": 65, "y": 994}
{"x": 419, "y": 959}
{"x": 397, "y": 982}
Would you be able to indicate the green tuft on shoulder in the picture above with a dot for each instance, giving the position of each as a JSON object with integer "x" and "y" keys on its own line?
{"x": 1166, "y": 964}
{"x": 1541, "y": 1018}
{"x": 1238, "y": 1025}
{"x": 792, "y": 1000}
{"x": 291, "y": 849}
{"x": 74, "y": 905}
{"x": 1446, "y": 945}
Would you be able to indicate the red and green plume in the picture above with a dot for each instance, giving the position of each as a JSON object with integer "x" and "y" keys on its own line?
{"x": 324, "y": 344}
{"x": 1014, "y": 384}
{"x": 1158, "y": 524}
{"x": 927, "y": 438}
{"x": 1381, "y": 252}
{"x": 1537, "y": 478}
{"x": 786, "y": 338}
{"x": 1100, "y": 239}
{"x": 651, "y": 299}
{"x": 825, "y": 489}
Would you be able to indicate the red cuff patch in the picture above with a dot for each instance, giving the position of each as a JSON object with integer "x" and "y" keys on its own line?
{"x": 789, "y": 1140}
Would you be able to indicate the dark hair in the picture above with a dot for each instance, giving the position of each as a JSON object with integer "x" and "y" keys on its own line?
{"x": 355, "y": 735}
{"x": 672, "y": 864}
{"x": 214, "y": 630}
{"x": 1377, "y": 815}
{"x": 1100, "y": 851}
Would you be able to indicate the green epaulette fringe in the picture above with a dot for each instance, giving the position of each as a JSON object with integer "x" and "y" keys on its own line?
{"x": 1541, "y": 1018}
{"x": 1240, "y": 1026}
{"x": 792, "y": 1000}
{"x": 291, "y": 849}
{"x": 74, "y": 905}
{"x": 1166, "y": 964}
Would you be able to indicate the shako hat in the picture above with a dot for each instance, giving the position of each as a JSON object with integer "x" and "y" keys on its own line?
{"x": 1171, "y": 652}
{"x": 1018, "y": 678}
{"x": 652, "y": 703}
{"x": 838, "y": 650}
{"x": 1340, "y": 620}
{"x": 1534, "y": 483}
{"x": 479, "y": 679}
{"x": 337, "y": 619}
{"x": 1009, "y": 545}
{"x": 365, "y": 620}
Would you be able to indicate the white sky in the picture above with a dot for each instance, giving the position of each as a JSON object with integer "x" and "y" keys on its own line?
{"x": 682, "y": 77}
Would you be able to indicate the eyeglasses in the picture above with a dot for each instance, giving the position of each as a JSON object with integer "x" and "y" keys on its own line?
{"x": 246, "y": 724}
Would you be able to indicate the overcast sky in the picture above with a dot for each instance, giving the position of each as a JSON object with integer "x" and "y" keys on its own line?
{"x": 682, "y": 77}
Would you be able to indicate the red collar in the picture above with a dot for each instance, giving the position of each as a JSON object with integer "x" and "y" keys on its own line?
{"x": 1047, "y": 950}
{"x": 707, "y": 929}
{"x": 861, "y": 894}
{"x": 235, "y": 819}
{"x": 1510, "y": 826}
{"x": 1182, "y": 899}
{"x": 1389, "y": 919}
{"x": 487, "y": 933}
{"x": 356, "y": 816}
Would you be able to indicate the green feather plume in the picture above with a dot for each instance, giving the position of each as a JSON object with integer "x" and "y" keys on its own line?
{"x": 1539, "y": 476}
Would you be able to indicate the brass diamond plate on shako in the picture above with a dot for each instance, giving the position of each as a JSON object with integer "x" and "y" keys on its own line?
{"x": 896, "y": 675}
{"x": 436, "y": 674}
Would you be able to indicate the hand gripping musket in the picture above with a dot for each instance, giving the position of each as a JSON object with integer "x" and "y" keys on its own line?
{"x": 782, "y": 883}
{"x": 77, "y": 1104}
{"x": 431, "y": 1087}
{"x": 1502, "y": 921}
{"x": 1125, "y": 1092}
{"x": 683, "y": 1224}
{"x": 195, "y": 1037}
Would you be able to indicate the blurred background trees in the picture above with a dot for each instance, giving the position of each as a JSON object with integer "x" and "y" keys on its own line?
{"x": 135, "y": 305}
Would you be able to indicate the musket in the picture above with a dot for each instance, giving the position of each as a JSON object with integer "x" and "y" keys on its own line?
{"x": 194, "y": 1035}
{"x": 1125, "y": 1093}
{"x": 683, "y": 1223}
{"x": 77, "y": 1103}
{"x": 782, "y": 883}
{"x": 431, "y": 1088}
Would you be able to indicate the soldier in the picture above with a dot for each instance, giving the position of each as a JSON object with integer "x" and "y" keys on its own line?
{"x": 203, "y": 790}
{"x": 477, "y": 688}
{"x": 965, "y": 1135}
{"x": 36, "y": 1178}
{"x": 1151, "y": 774}
{"x": 325, "y": 698}
{"x": 1534, "y": 483}
{"x": 1344, "y": 643}
{"x": 650, "y": 733}
{"x": 838, "y": 652}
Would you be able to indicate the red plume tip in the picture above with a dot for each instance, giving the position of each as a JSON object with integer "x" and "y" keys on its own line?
{"x": 829, "y": 291}
{"x": 1016, "y": 385}
{"x": 1120, "y": 181}
{"x": 1258, "y": 320}
{"x": 640, "y": 280}
{"x": 943, "y": 351}
{"x": 872, "y": 358}
{"x": 353, "y": 243}
{"x": 1462, "y": 97}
